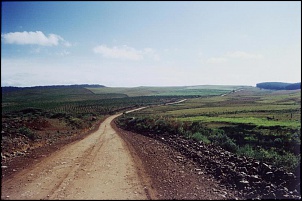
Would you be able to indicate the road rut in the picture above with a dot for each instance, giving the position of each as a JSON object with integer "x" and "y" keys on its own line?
{"x": 98, "y": 167}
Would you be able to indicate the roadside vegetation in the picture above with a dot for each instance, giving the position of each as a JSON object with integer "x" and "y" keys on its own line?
{"x": 258, "y": 123}
{"x": 261, "y": 124}
{"x": 37, "y": 116}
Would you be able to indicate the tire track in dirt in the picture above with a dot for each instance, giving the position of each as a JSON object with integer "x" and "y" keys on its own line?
{"x": 98, "y": 167}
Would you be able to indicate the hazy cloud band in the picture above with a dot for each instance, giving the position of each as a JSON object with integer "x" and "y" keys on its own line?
{"x": 33, "y": 38}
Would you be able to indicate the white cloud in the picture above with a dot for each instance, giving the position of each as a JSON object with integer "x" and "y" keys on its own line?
{"x": 234, "y": 55}
{"x": 64, "y": 53}
{"x": 36, "y": 50}
{"x": 33, "y": 38}
{"x": 125, "y": 52}
{"x": 151, "y": 53}
{"x": 217, "y": 60}
{"x": 66, "y": 44}
{"x": 243, "y": 55}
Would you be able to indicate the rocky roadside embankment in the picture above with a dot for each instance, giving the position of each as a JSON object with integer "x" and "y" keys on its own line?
{"x": 253, "y": 179}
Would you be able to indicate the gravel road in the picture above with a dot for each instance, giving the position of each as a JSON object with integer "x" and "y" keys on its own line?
{"x": 108, "y": 164}
{"x": 98, "y": 167}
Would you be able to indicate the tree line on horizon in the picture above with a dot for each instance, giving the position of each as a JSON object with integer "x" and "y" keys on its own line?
{"x": 7, "y": 89}
{"x": 262, "y": 85}
{"x": 279, "y": 85}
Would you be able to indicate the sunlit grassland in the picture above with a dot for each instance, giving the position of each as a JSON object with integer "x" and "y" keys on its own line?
{"x": 95, "y": 99}
{"x": 244, "y": 120}
{"x": 264, "y": 124}
{"x": 177, "y": 111}
{"x": 201, "y": 90}
{"x": 250, "y": 106}
{"x": 240, "y": 119}
{"x": 282, "y": 97}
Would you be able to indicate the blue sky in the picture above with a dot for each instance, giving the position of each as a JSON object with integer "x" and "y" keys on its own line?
{"x": 134, "y": 43}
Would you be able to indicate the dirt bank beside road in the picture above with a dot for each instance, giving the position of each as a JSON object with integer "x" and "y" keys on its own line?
{"x": 111, "y": 163}
{"x": 98, "y": 167}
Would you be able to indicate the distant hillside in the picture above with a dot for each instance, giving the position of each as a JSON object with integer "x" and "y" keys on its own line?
{"x": 197, "y": 90}
{"x": 11, "y": 88}
{"x": 279, "y": 85}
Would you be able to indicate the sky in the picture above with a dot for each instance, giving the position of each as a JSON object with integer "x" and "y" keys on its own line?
{"x": 150, "y": 43}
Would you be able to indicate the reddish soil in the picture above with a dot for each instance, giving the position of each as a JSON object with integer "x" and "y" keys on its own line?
{"x": 170, "y": 174}
{"x": 40, "y": 150}
{"x": 173, "y": 175}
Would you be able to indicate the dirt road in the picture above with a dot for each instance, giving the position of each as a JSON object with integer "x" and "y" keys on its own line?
{"x": 98, "y": 167}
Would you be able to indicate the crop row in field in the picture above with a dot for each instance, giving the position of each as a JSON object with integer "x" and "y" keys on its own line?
{"x": 76, "y": 99}
{"x": 244, "y": 120}
{"x": 102, "y": 106}
{"x": 202, "y": 90}
{"x": 264, "y": 124}
{"x": 243, "y": 104}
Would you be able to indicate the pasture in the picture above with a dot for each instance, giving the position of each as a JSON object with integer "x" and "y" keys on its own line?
{"x": 263, "y": 124}
{"x": 200, "y": 90}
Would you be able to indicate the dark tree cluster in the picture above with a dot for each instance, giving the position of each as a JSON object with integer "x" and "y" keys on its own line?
{"x": 7, "y": 89}
{"x": 279, "y": 85}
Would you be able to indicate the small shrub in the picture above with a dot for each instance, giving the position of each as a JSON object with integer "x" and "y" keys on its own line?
{"x": 221, "y": 139}
{"x": 278, "y": 142}
{"x": 288, "y": 160}
{"x": 28, "y": 133}
{"x": 199, "y": 137}
{"x": 246, "y": 150}
{"x": 73, "y": 121}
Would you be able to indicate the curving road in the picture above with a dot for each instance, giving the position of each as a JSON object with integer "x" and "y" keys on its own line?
{"x": 98, "y": 167}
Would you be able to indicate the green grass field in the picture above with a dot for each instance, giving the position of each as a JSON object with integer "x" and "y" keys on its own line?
{"x": 249, "y": 106}
{"x": 246, "y": 118}
{"x": 78, "y": 99}
{"x": 202, "y": 90}
{"x": 264, "y": 124}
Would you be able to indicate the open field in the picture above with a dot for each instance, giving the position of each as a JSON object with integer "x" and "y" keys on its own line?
{"x": 36, "y": 113}
{"x": 101, "y": 99}
{"x": 268, "y": 108}
{"x": 263, "y": 124}
{"x": 243, "y": 113}
{"x": 244, "y": 120}
{"x": 202, "y": 90}
{"x": 256, "y": 126}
